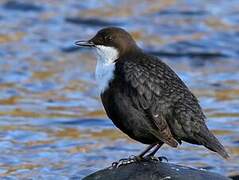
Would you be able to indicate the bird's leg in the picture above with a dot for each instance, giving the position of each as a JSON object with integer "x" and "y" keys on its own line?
{"x": 141, "y": 155}
{"x": 155, "y": 150}
{"x": 151, "y": 156}
{"x": 132, "y": 159}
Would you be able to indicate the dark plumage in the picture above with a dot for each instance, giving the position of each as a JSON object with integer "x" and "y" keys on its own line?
{"x": 148, "y": 101}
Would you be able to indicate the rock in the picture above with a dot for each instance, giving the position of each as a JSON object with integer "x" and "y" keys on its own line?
{"x": 153, "y": 171}
{"x": 235, "y": 177}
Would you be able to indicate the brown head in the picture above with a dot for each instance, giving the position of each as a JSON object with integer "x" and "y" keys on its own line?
{"x": 113, "y": 37}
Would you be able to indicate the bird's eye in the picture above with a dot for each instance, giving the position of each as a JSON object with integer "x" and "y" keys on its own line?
{"x": 108, "y": 38}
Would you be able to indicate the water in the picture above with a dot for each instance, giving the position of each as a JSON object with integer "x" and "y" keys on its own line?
{"x": 52, "y": 124}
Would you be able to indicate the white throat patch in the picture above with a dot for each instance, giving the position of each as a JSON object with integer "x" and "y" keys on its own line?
{"x": 105, "y": 65}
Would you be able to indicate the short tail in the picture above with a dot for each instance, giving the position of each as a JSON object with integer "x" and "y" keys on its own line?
{"x": 212, "y": 143}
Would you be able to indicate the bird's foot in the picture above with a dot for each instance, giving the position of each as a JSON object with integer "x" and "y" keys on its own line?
{"x": 153, "y": 158}
{"x": 135, "y": 159}
{"x": 126, "y": 161}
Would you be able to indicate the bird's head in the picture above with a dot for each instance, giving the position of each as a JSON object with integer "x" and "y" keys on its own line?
{"x": 111, "y": 41}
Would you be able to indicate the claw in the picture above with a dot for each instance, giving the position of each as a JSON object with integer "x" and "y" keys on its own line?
{"x": 113, "y": 165}
{"x": 153, "y": 158}
{"x": 161, "y": 158}
{"x": 134, "y": 159}
{"x": 125, "y": 161}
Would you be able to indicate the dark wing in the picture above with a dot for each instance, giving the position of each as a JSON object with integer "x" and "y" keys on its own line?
{"x": 159, "y": 89}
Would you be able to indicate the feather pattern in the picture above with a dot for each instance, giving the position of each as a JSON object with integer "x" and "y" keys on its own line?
{"x": 170, "y": 105}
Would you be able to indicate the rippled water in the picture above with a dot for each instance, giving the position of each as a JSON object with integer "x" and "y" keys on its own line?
{"x": 52, "y": 124}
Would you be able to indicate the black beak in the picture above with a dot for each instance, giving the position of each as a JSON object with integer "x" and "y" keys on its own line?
{"x": 85, "y": 43}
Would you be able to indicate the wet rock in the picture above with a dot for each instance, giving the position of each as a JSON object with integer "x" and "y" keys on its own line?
{"x": 91, "y": 21}
{"x": 235, "y": 177}
{"x": 21, "y": 6}
{"x": 154, "y": 171}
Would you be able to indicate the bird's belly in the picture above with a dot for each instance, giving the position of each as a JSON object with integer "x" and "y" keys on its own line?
{"x": 128, "y": 119}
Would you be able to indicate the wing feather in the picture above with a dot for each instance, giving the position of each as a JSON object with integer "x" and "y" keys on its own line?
{"x": 171, "y": 108}
{"x": 149, "y": 87}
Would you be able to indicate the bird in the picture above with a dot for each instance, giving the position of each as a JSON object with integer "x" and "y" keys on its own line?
{"x": 145, "y": 98}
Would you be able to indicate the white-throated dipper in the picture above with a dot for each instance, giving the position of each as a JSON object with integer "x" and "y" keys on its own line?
{"x": 144, "y": 97}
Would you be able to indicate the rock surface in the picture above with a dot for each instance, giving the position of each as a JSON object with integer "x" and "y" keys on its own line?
{"x": 154, "y": 171}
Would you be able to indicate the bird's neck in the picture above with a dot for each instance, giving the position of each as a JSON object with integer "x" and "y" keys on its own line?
{"x": 106, "y": 57}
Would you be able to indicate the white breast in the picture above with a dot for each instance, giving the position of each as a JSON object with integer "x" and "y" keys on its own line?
{"x": 105, "y": 65}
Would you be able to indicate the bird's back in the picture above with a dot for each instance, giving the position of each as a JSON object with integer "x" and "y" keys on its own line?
{"x": 156, "y": 90}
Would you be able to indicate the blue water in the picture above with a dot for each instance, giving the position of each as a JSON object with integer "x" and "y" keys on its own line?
{"x": 52, "y": 123}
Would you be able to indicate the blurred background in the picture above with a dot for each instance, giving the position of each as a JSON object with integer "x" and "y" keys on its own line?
{"x": 52, "y": 124}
